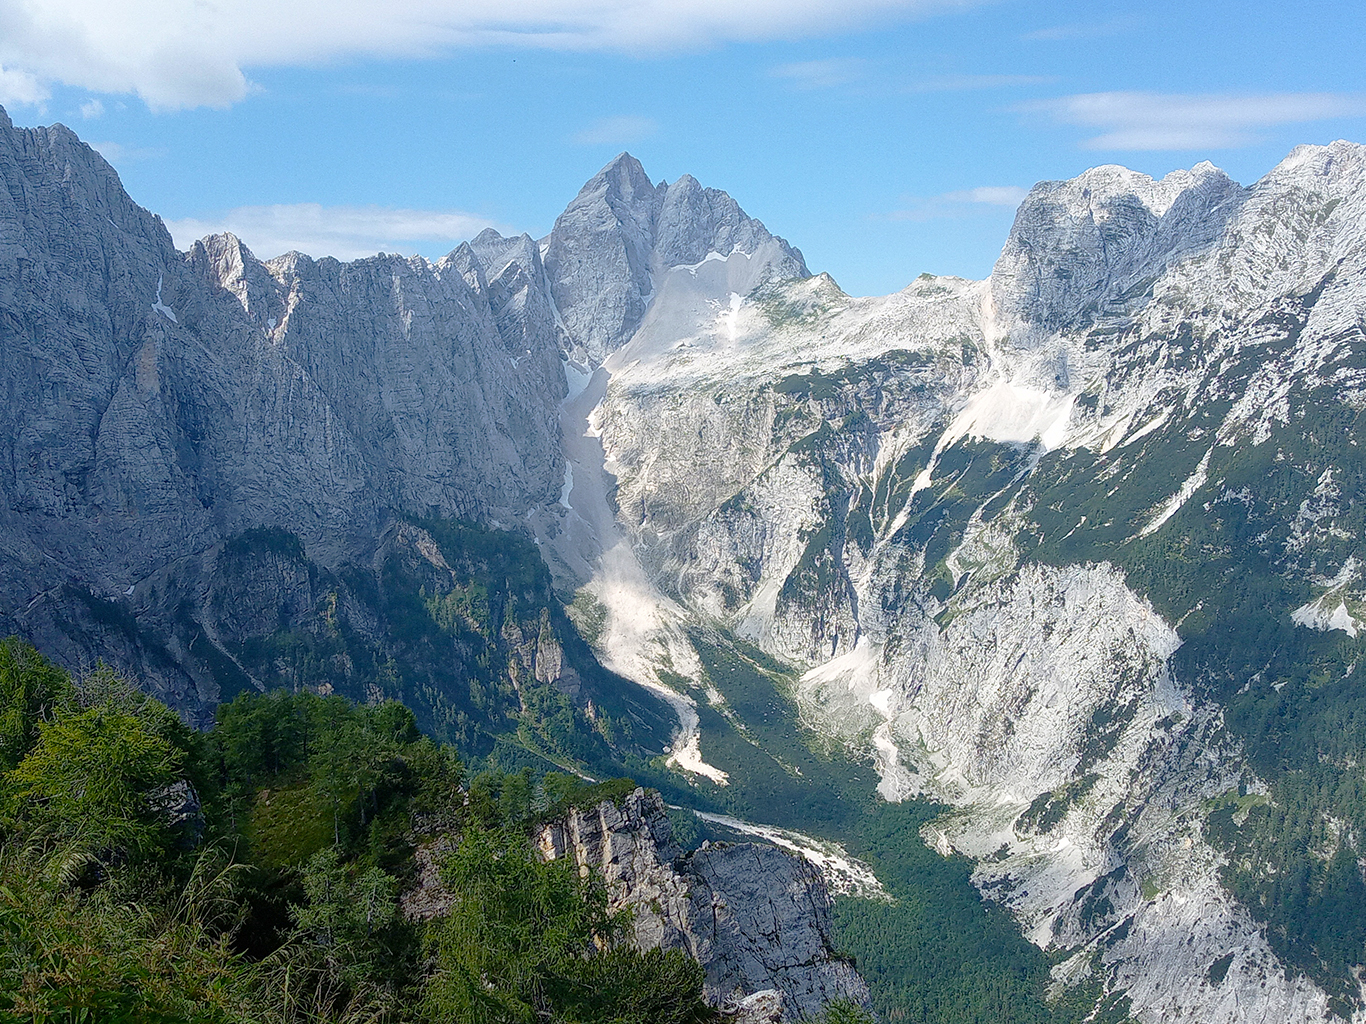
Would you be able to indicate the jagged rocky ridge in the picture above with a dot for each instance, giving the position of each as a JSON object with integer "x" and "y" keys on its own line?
{"x": 158, "y": 404}
{"x": 622, "y": 231}
{"x": 1049, "y": 546}
{"x": 756, "y": 918}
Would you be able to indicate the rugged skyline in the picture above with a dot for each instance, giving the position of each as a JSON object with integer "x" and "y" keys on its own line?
{"x": 893, "y": 137}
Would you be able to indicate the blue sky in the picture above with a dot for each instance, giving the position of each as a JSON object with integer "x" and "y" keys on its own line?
{"x": 883, "y": 137}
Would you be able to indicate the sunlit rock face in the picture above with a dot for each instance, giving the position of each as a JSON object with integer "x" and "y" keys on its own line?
{"x": 952, "y": 508}
{"x": 755, "y": 917}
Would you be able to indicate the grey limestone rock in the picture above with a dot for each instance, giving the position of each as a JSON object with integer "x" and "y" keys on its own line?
{"x": 598, "y": 256}
{"x": 518, "y": 292}
{"x": 620, "y": 231}
{"x": 1092, "y": 245}
{"x": 157, "y": 403}
{"x": 756, "y": 918}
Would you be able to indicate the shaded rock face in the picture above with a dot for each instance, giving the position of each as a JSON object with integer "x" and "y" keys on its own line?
{"x": 157, "y": 403}
{"x": 154, "y": 400}
{"x": 460, "y": 624}
{"x": 755, "y": 917}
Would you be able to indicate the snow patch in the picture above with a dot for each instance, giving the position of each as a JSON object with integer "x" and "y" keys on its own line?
{"x": 731, "y": 315}
{"x": 1315, "y": 615}
{"x": 853, "y": 669}
{"x": 1329, "y": 611}
{"x": 161, "y": 307}
{"x": 1015, "y": 414}
{"x": 1147, "y": 428}
{"x": 576, "y": 378}
{"x": 856, "y": 672}
{"x": 711, "y": 257}
{"x": 568, "y": 487}
{"x": 687, "y": 752}
{"x": 1009, "y": 413}
{"x": 1173, "y": 504}
{"x": 757, "y": 617}
{"x": 641, "y": 632}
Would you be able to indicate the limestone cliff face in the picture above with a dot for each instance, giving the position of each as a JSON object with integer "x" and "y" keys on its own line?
{"x": 157, "y": 401}
{"x": 755, "y": 917}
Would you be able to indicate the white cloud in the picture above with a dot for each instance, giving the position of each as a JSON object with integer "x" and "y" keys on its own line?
{"x": 616, "y": 131}
{"x": 19, "y": 88}
{"x": 1079, "y": 30}
{"x": 1152, "y": 121}
{"x": 960, "y": 203}
{"x": 346, "y": 232}
{"x": 118, "y": 153}
{"x": 836, "y": 71}
{"x": 188, "y": 53}
{"x": 990, "y": 195}
{"x": 821, "y": 74}
{"x": 966, "y": 83}
{"x": 92, "y": 109}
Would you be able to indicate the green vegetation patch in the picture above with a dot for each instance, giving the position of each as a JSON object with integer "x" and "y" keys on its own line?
{"x": 287, "y": 825}
{"x": 939, "y": 953}
{"x": 1227, "y": 570}
{"x": 451, "y": 622}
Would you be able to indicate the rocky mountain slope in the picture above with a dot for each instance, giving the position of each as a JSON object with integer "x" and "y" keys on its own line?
{"x": 1075, "y": 550}
{"x": 1071, "y": 549}
{"x": 755, "y": 917}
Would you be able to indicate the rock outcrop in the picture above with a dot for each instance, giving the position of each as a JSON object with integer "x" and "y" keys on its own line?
{"x": 756, "y": 918}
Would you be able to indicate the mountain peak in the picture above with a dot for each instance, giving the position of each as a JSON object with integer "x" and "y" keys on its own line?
{"x": 1100, "y": 188}
{"x": 1332, "y": 160}
{"x": 624, "y": 178}
{"x": 1079, "y": 244}
{"x": 621, "y": 230}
